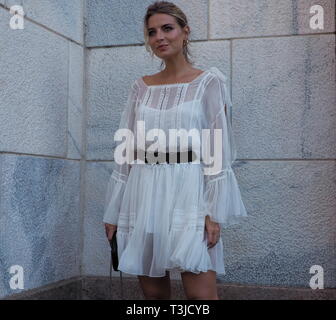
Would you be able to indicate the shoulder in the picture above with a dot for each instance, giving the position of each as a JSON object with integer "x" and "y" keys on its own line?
{"x": 216, "y": 76}
{"x": 215, "y": 71}
{"x": 151, "y": 79}
{"x": 216, "y": 83}
{"x": 146, "y": 80}
{"x": 216, "y": 94}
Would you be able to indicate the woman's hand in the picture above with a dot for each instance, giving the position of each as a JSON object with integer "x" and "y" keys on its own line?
{"x": 213, "y": 232}
{"x": 109, "y": 230}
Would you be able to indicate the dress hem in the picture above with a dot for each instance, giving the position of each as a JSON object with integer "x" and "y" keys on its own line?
{"x": 172, "y": 269}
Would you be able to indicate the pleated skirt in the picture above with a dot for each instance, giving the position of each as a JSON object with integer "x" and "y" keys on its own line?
{"x": 161, "y": 225}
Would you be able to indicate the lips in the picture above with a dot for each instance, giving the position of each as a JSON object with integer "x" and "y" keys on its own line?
{"x": 162, "y": 46}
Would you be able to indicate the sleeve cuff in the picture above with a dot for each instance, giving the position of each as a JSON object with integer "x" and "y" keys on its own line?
{"x": 113, "y": 199}
{"x": 223, "y": 200}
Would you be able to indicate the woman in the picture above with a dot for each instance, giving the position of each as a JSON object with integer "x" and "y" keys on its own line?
{"x": 169, "y": 214}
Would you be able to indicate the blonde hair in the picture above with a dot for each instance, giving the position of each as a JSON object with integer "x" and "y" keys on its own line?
{"x": 172, "y": 10}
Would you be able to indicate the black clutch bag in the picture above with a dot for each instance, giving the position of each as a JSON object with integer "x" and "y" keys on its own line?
{"x": 114, "y": 251}
{"x": 115, "y": 263}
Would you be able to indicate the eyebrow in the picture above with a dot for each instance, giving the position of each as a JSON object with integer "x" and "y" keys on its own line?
{"x": 167, "y": 24}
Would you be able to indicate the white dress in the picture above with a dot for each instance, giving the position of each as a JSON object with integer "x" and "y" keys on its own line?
{"x": 160, "y": 208}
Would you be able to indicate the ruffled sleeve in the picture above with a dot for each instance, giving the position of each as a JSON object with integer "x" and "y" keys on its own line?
{"x": 121, "y": 169}
{"x": 222, "y": 195}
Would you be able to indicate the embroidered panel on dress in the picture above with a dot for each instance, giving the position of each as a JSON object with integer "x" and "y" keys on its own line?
{"x": 165, "y": 103}
{"x": 179, "y": 104}
{"x": 199, "y": 92}
{"x": 164, "y": 107}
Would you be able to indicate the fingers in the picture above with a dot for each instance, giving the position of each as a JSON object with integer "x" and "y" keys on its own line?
{"x": 213, "y": 238}
{"x": 213, "y": 231}
{"x": 212, "y": 244}
{"x": 109, "y": 230}
{"x": 110, "y": 235}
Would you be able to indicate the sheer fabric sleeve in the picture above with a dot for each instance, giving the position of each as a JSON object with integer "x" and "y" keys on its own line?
{"x": 222, "y": 195}
{"x": 120, "y": 172}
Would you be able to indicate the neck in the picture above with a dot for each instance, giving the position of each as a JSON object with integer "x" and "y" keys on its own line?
{"x": 176, "y": 67}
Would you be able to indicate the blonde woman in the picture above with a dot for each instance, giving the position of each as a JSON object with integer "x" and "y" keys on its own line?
{"x": 169, "y": 213}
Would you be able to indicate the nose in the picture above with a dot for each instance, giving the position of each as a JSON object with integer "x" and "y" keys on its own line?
{"x": 159, "y": 36}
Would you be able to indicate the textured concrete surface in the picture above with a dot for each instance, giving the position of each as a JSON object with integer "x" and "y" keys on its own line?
{"x": 96, "y": 249}
{"x": 291, "y": 225}
{"x": 41, "y": 115}
{"x": 33, "y": 95}
{"x": 100, "y": 288}
{"x": 120, "y": 22}
{"x": 62, "y": 16}
{"x": 75, "y": 101}
{"x": 46, "y": 79}
{"x": 255, "y": 18}
{"x": 39, "y": 221}
{"x": 284, "y": 97}
{"x": 70, "y": 289}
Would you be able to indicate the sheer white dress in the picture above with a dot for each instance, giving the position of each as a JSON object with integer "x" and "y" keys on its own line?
{"x": 160, "y": 208}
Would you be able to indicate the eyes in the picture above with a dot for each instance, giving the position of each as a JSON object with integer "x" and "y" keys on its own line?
{"x": 167, "y": 28}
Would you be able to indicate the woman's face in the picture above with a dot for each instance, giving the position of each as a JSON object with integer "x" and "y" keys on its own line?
{"x": 164, "y": 30}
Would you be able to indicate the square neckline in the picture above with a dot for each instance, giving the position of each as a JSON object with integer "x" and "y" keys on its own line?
{"x": 174, "y": 84}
